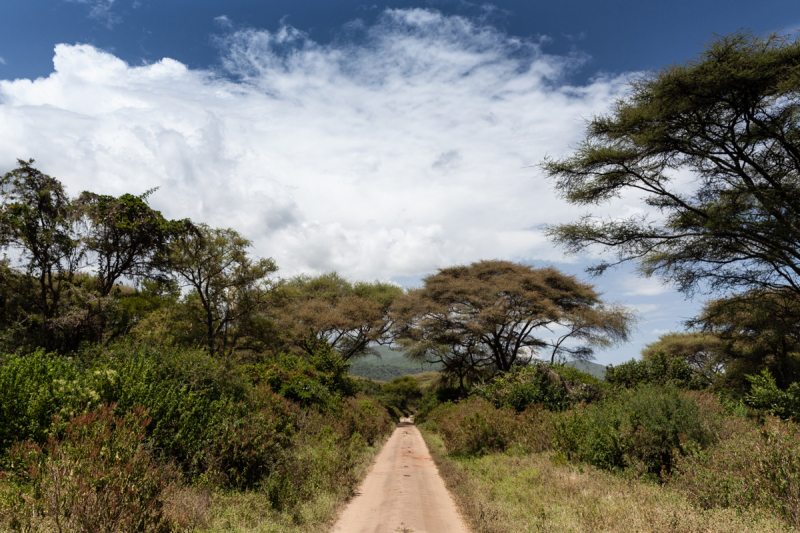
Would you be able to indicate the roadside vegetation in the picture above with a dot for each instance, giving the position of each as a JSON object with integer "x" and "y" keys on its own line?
{"x": 701, "y": 433}
{"x": 154, "y": 376}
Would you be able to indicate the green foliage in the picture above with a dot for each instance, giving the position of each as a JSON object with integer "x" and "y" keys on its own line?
{"x": 490, "y": 315}
{"x": 433, "y": 398}
{"x": 99, "y": 477}
{"x": 126, "y": 237}
{"x": 401, "y": 393}
{"x": 33, "y": 389}
{"x": 659, "y": 369}
{"x": 540, "y": 385}
{"x": 320, "y": 380}
{"x": 227, "y": 284}
{"x": 644, "y": 428}
{"x": 729, "y": 119}
{"x": 352, "y": 317}
{"x": 475, "y": 427}
{"x": 766, "y": 396}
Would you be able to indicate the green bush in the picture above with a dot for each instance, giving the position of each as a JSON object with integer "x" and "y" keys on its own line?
{"x": 645, "y": 429}
{"x": 326, "y": 452}
{"x": 526, "y": 386}
{"x": 244, "y": 427}
{"x": 766, "y": 396}
{"x": 433, "y": 398}
{"x": 320, "y": 381}
{"x": 247, "y": 442}
{"x": 401, "y": 393}
{"x": 475, "y": 427}
{"x": 33, "y": 389}
{"x": 659, "y": 369}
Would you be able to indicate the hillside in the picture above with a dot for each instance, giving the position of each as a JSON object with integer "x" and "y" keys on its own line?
{"x": 392, "y": 364}
{"x": 598, "y": 371}
{"x": 388, "y": 365}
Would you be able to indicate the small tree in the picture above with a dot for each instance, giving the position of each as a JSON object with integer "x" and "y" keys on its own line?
{"x": 706, "y": 353}
{"x": 227, "y": 284}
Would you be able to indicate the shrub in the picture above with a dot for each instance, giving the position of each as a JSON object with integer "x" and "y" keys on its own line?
{"x": 525, "y": 386}
{"x": 752, "y": 466}
{"x": 659, "y": 369}
{"x": 246, "y": 443}
{"x": 34, "y": 388}
{"x": 645, "y": 428}
{"x": 327, "y": 449}
{"x": 475, "y": 427}
{"x": 98, "y": 478}
{"x": 401, "y": 393}
{"x": 765, "y": 395}
{"x": 433, "y": 398}
{"x": 320, "y": 381}
{"x": 365, "y": 417}
{"x": 189, "y": 397}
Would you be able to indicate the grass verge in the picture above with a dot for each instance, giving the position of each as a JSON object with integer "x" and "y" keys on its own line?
{"x": 541, "y": 492}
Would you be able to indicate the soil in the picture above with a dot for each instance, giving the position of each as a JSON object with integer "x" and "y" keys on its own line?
{"x": 402, "y": 492}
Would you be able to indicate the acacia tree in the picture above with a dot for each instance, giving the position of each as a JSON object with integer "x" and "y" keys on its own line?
{"x": 706, "y": 353}
{"x": 125, "y": 237}
{"x": 349, "y": 316}
{"x": 492, "y": 314}
{"x": 600, "y": 326}
{"x": 759, "y": 330}
{"x": 227, "y": 284}
{"x": 730, "y": 120}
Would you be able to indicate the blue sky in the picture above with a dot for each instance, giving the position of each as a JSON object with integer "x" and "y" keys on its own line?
{"x": 381, "y": 140}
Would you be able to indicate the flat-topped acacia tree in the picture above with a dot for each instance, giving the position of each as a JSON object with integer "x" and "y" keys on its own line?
{"x": 351, "y": 317}
{"x": 498, "y": 313}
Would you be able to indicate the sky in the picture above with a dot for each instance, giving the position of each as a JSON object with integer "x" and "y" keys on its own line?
{"x": 381, "y": 140}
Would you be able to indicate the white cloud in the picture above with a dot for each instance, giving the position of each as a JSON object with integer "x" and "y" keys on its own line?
{"x": 100, "y": 10}
{"x": 223, "y": 21}
{"x": 401, "y": 149}
{"x": 2, "y": 60}
{"x": 661, "y": 331}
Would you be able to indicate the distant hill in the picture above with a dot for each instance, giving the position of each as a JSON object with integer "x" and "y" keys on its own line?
{"x": 391, "y": 364}
{"x": 598, "y": 371}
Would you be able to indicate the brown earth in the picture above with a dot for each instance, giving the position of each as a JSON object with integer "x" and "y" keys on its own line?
{"x": 402, "y": 492}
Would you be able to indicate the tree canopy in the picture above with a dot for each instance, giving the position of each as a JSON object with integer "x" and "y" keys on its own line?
{"x": 349, "y": 316}
{"x": 497, "y": 314}
{"x": 227, "y": 283}
{"x": 729, "y": 120}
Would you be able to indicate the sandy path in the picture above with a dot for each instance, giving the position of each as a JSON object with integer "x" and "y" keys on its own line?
{"x": 402, "y": 492}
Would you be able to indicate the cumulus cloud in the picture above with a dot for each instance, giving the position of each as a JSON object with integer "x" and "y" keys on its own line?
{"x": 403, "y": 146}
{"x": 100, "y": 10}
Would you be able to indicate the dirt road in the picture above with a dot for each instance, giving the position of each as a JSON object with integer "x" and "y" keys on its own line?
{"x": 402, "y": 492}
